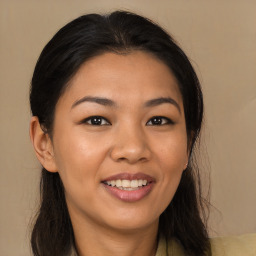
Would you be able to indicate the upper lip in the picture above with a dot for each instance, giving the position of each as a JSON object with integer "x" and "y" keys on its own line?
{"x": 130, "y": 176}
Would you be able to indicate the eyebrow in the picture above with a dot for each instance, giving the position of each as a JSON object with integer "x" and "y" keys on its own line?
{"x": 110, "y": 103}
{"x": 98, "y": 100}
{"x": 162, "y": 100}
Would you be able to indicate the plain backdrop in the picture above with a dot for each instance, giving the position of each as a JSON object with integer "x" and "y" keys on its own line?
{"x": 220, "y": 39}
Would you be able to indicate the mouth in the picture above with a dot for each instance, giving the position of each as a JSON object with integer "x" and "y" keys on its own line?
{"x": 129, "y": 187}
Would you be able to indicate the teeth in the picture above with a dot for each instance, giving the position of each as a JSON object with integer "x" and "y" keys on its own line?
{"x": 118, "y": 183}
{"x": 113, "y": 183}
{"x": 134, "y": 183}
{"x": 127, "y": 184}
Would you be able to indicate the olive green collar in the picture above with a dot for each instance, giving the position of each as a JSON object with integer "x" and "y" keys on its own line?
{"x": 172, "y": 247}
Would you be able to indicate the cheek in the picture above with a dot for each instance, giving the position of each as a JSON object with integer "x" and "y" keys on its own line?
{"x": 76, "y": 151}
{"x": 79, "y": 159}
{"x": 173, "y": 153}
{"x": 74, "y": 161}
{"x": 172, "y": 158}
{"x": 78, "y": 169}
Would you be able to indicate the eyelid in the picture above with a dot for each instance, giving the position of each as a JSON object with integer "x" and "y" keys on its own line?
{"x": 85, "y": 121}
{"x": 169, "y": 121}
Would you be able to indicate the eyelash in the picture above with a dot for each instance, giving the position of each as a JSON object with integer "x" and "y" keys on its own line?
{"x": 168, "y": 121}
{"x": 86, "y": 121}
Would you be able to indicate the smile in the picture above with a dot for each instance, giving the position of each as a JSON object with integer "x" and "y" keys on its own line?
{"x": 129, "y": 185}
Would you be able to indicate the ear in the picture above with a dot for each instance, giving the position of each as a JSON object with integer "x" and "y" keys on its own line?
{"x": 189, "y": 147}
{"x": 42, "y": 145}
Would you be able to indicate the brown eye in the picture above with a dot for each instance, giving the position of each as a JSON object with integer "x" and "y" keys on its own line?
{"x": 96, "y": 120}
{"x": 159, "y": 120}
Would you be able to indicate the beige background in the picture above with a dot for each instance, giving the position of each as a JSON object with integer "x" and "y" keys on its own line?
{"x": 220, "y": 38}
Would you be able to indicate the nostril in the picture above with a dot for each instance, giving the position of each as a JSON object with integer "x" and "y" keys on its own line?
{"x": 130, "y": 159}
{"x": 130, "y": 152}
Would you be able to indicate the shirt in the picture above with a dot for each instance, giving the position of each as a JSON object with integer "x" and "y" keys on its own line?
{"x": 244, "y": 245}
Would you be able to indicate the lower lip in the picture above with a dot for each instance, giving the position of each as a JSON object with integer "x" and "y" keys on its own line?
{"x": 129, "y": 196}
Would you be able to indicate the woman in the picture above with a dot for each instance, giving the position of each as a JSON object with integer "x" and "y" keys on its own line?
{"x": 117, "y": 109}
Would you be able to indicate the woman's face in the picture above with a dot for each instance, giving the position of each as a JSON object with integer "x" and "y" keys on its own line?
{"x": 119, "y": 140}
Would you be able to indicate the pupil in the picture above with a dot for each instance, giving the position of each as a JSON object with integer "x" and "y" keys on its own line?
{"x": 96, "y": 120}
{"x": 157, "y": 120}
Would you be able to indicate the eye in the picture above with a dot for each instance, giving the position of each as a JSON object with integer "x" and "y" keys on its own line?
{"x": 96, "y": 120}
{"x": 159, "y": 120}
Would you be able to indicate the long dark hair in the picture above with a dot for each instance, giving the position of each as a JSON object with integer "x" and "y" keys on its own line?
{"x": 78, "y": 41}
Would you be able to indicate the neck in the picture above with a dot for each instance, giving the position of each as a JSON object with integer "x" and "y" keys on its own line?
{"x": 98, "y": 240}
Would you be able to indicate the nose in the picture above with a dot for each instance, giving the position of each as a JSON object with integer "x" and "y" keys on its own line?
{"x": 131, "y": 146}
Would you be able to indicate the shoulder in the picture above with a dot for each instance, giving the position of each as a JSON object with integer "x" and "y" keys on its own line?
{"x": 170, "y": 247}
{"x": 244, "y": 245}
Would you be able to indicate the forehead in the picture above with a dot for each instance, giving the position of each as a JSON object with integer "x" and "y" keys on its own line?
{"x": 135, "y": 76}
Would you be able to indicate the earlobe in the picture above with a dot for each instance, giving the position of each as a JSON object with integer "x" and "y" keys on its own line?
{"x": 189, "y": 147}
{"x": 42, "y": 145}
{"x": 190, "y": 142}
{"x": 185, "y": 166}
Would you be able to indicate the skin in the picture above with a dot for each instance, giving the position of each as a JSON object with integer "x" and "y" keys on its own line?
{"x": 126, "y": 141}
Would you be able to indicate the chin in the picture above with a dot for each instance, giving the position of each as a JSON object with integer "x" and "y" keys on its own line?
{"x": 130, "y": 222}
